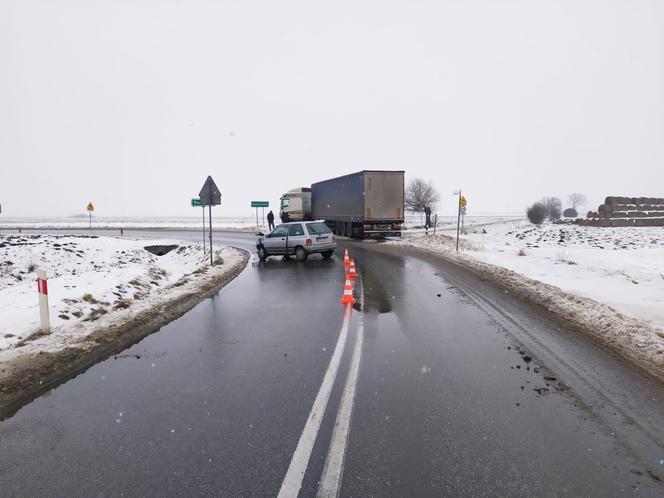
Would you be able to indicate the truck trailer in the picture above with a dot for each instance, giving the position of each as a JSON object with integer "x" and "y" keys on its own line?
{"x": 368, "y": 203}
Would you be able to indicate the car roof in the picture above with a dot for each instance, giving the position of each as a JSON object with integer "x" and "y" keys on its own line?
{"x": 307, "y": 221}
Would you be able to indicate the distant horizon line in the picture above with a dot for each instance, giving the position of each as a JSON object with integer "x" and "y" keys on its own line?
{"x": 249, "y": 215}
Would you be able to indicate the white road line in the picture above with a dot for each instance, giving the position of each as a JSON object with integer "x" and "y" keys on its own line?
{"x": 298, "y": 465}
{"x": 330, "y": 482}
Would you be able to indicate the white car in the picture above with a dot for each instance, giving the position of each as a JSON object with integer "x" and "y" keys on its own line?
{"x": 300, "y": 238}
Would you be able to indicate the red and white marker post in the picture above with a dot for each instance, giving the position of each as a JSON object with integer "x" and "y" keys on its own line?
{"x": 42, "y": 289}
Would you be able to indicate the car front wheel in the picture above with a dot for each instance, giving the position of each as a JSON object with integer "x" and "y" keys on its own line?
{"x": 327, "y": 254}
{"x": 300, "y": 253}
{"x": 262, "y": 253}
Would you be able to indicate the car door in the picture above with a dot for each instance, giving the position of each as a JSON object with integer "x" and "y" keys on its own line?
{"x": 296, "y": 237}
{"x": 275, "y": 242}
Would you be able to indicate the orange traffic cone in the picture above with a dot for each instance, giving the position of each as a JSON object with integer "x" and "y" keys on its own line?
{"x": 352, "y": 273}
{"x": 347, "y": 298}
{"x": 346, "y": 258}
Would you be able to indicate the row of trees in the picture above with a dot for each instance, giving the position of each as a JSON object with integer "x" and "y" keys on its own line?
{"x": 551, "y": 208}
{"x": 421, "y": 194}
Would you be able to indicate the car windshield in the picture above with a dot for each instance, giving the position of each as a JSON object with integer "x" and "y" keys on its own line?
{"x": 318, "y": 228}
{"x": 280, "y": 231}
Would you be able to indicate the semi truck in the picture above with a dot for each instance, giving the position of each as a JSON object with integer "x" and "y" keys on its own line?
{"x": 369, "y": 203}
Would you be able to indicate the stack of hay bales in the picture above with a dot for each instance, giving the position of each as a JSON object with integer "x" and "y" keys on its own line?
{"x": 628, "y": 212}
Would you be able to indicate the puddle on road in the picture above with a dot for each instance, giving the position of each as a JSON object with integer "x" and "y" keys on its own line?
{"x": 380, "y": 287}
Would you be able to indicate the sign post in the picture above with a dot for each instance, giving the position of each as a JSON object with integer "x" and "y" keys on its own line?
{"x": 458, "y": 192}
{"x": 210, "y": 196}
{"x": 196, "y": 202}
{"x": 259, "y": 204}
{"x": 90, "y": 208}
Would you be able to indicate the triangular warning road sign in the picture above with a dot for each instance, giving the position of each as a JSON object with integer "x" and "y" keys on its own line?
{"x": 210, "y": 194}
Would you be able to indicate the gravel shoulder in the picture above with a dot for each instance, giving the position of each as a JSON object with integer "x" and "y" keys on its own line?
{"x": 636, "y": 341}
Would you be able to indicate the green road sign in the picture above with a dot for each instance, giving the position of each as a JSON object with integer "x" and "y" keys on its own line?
{"x": 195, "y": 202}
{"x": 259, "y": 204}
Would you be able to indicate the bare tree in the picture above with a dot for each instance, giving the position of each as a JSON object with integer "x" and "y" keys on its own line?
{"x": 577, "y": 200}
{"x": 554, "y": 208}
{"x": 537, "y": 213}
{"x": 420, "y": 194}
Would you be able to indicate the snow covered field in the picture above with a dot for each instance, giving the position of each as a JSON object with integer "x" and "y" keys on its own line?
{"x": 99, "y": 222}
{"x": 622, "y": 267}
{"x": 447, "y": 222}
{"x": 91, "y": 280}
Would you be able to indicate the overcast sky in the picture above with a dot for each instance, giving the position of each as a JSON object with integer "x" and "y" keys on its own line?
{"x": 131, "y": 104}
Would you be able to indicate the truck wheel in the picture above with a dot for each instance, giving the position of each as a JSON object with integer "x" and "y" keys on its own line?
{"x": 300, "y": 253}
{"x": 349, "y": 230}
{"x": 327, "y": 254}
{"x": 262, "y": 253}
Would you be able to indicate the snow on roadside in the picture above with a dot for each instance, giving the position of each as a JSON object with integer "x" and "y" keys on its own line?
{"x": 621, "y": 267}
{"x": 92, "y": 280}
{"x": 607, "y": 281}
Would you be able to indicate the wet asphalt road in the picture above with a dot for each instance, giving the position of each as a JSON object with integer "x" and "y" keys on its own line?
{"x": 463, "y": 391}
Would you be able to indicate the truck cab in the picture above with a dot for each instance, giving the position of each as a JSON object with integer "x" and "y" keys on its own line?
{"x": 295, "y": 205}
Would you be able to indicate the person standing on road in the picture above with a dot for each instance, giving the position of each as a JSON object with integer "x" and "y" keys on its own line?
{"x": 270, "y": 220}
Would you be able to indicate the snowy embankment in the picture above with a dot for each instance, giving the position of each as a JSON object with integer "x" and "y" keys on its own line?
{"x": 608, "y": 282}
{"x": 93, "y": 283}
